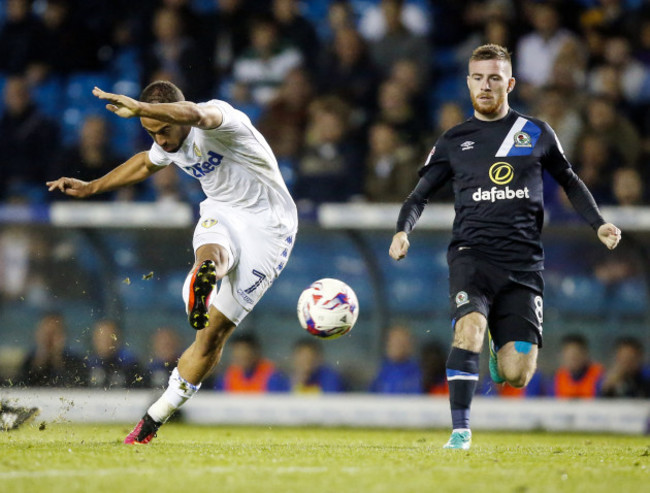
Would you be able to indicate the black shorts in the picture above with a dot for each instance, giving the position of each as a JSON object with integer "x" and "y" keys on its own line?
{"x": 512, "y": 301}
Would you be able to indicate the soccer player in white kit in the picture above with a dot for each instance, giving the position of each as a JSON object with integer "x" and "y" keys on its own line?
{"x": 245, "y": 233}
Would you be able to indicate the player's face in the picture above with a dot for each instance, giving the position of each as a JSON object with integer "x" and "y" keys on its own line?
{"x": 169, "y": 137}
{"x": 489, "y": 83}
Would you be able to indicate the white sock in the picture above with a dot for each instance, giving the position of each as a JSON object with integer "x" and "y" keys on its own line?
{"x": 178, "y": 391}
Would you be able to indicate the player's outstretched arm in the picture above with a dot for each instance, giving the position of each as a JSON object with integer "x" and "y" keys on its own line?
{"x": 399, "y": 247}
{"x": 180, "y": 113}
{"x": 132, "y": 171}
{"x": 610, "y": 235}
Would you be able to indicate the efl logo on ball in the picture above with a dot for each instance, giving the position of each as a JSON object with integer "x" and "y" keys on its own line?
{"x": 328, "y": 308}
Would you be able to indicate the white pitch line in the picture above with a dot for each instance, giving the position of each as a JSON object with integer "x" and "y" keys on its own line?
{"x": 52, "y": 473}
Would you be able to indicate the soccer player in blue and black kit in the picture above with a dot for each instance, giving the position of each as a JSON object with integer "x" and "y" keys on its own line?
{"x": 495, "y": 161}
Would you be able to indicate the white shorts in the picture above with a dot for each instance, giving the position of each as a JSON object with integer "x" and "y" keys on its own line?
{"x": 256, "y": 255}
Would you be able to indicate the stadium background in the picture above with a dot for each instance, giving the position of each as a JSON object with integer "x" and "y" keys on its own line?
{"x": 82, "y": 270}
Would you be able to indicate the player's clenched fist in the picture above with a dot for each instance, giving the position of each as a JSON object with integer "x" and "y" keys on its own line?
{"x": 610, "y": 235}
{"x": 71, "y": 186}
{"x": 400, "y": 246}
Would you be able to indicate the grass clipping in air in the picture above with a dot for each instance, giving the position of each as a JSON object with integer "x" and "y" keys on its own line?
{"x": 190, "y": 459}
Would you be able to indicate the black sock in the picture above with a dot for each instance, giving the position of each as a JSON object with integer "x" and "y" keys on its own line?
{"x": 462, "y": 376}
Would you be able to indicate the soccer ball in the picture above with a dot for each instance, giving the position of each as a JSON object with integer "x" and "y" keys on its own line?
{"x": 328, "y": 308}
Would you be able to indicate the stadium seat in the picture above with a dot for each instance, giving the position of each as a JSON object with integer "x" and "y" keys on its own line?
{"x": 78, "y": 90}
{"x": 629, "y": 298}
{"x": 575, "y": 294}
{"x": 48, "y": 96}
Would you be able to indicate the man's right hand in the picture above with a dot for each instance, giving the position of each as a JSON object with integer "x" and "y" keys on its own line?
{"x": 400, "y": 246}
{"x": 71, "y": 186}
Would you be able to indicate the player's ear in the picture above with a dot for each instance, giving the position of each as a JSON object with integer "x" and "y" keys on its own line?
{"x": 511, "y": 84}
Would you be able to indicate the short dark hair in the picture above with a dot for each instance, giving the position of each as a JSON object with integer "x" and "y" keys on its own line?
{"x": 491, "y": 51}
{"x": 248, "y": 339}
{"x": 161, "y": 91}
{"x": 311, "y": 343}
{"x": 577, "y": 339}
{"x": 629, "y": 341}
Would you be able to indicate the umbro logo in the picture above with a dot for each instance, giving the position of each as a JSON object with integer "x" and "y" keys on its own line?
{"x": 467, "y": 145}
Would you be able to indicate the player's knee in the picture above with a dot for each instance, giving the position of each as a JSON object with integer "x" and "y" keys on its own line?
{"x": 517, "y": 377}
{"x": 218, "y": 254}
{"x": 469, "y": 332}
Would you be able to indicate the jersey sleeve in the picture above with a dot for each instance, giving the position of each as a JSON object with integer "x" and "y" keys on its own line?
{"x": 157, "y": 156}
{"x": 433, "y": 175}
{"x": 553, "y": 160}
{"x": 560, "y": 169}
{"x": 231, "y": 117}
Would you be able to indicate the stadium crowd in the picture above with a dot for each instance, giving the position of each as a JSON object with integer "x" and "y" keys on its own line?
{"x": 351, "y": 96}
{"x": 406, "y": 368}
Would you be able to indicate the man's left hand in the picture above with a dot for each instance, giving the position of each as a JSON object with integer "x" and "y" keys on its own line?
{"x": 610, "y": 235}
{"x": 119, "y": 104}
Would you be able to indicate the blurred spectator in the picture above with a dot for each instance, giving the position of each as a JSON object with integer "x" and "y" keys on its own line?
{"x": 178, "y": 55}
{"x": 397, "y": 41}
{"x": 31, "y": 145}
{"x": 400, "y": 372}
{"x": 642, "y": 52}
{"x": 296, "y": 30}
{"x": 627, "y": 186}
{"x": 396, "y": 109}
{"x": 414, "y": 83}
{"x": 612, "y": 128}
{"x": 241, "y": 98}
{"x": 433, "y": 359}
{"x": 594, "y": 163}
{"x": 309, "y": 373}
{"x": 375, "y": 21}
{"x": 50, "y": 363}
{"x": 92, "y": 156}
{"x": 557, "y": 109}
{"x": 265, "y": 63}
{"x": 628, "y": 75}
{"x": 17, "y": 37}
{"x": 536, "y": 51}
{"x": 112, "y": 365}
{"x": 627, "y": 377}
{"x": 348, "y": 71}
{"x": 391, "y": 166}
{"x": 330, "y": 167}
{"x": 63, "y": 45}
{"x": 284, "y": 119}
{"x": 577, "y": 377}
{"x": 340, "y": 15}
{"x": 167, "y": 348}
{"x": 165, "y": 186}
{"x": 569, "y": 71}
{"x": 226, "y": 32}
{"x": 248, "y": 371}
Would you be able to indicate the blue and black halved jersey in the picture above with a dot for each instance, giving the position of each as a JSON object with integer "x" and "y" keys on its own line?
{"x": 496, "y": 171}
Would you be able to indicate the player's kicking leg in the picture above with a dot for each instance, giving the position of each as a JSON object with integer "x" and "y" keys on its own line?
{"x": 204, "y": 354}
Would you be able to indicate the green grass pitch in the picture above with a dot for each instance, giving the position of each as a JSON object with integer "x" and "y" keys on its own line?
{"x": 190, "y": 459}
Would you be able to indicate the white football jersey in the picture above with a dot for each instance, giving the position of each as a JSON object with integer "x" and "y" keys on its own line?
{"x": 235, "y": 166}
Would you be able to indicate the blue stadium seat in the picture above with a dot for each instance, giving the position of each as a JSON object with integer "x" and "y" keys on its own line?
{"x": 78, "y": 90}
{"x": 204, "y": 6}
{"x": 126, "y": 65}
{"x": 575, "y": 294}
{"x": 48, "y": 95}
{"x": 629, "y": 298}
